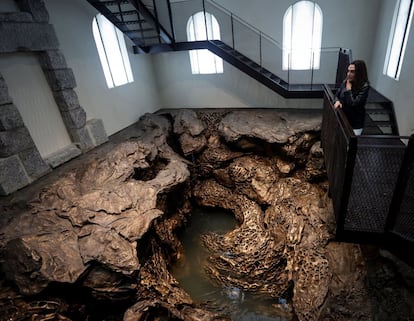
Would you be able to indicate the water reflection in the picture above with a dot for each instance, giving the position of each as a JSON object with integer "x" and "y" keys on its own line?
{"x": 241, "y": 305}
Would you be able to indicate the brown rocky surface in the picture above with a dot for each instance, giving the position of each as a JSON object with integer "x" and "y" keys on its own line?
{"x": 269, "y": 126}
{"x": 96, "y": 240}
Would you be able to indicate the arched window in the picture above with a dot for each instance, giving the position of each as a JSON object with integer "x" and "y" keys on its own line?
{"x": 112, "y": 52}
{"x": 202, "y": 60}
{"x": 302, "y": 36}
{"x": 397, "y": 41}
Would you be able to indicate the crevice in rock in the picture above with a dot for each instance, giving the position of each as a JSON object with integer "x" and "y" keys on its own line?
{"x": 149, "y": 173}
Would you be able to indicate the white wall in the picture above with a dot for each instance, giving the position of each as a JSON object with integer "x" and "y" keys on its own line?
{"x": 350, "y": 24}
{"x": 31, "y": 94}
{"x": 401, "y": 91}
{"x": 180, "y": 89}
{"x": 118, "y": 107}
{"x": 165, "y": 80}
{"x": 347, "y": 24}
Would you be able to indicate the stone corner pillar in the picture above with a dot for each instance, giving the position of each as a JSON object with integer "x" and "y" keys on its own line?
{"x": 36, "y": 8}
{"x": 12, "y": 175}
{"x": 91, "y": 135}
{"x": 86, "y": 134}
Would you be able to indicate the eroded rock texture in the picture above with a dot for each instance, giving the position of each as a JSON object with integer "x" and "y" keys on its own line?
{"x": 110, "y": 225}
{"x": 89, "y": 226}
{"x": 285, "y": 222}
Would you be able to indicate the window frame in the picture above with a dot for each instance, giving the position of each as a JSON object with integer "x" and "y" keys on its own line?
{"x": 397, "y": 41}
{"x": 202, "y": 60}
{"x": 293, "y": 56}
{"x": 112, "y": 51}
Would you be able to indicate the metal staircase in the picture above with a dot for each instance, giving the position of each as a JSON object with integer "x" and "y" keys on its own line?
{"x": 136, "y": 21}
{"x": 251, "y": 68}
{"x": 139, "y": 21}
{"x": 380, "y": 116}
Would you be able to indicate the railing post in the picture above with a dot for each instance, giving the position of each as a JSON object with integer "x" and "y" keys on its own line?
{"x": 120, "y": 12}
{"x": 171, "y": 20}
{"x": 205, "y": 18}
{"x": 312, "y": 67}
{"x": 140, "y": 23}
{"x": 288, "y": 67}
{"x": 158, "y": 21}
{"x": 346, "y": 191}
{"x": 260, "y": 48}
{"x": 407, "y": 168}
{"x": 232, "y": 28}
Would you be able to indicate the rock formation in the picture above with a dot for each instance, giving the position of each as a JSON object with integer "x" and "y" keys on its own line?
{"x": 110, "y": 225}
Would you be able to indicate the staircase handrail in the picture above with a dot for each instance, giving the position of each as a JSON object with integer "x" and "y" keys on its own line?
{"x": 256, "y": 30}
{"x": 244, "y": 22}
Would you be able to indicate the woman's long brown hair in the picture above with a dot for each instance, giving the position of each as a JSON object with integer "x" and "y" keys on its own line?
{"x": 361, "y": 73}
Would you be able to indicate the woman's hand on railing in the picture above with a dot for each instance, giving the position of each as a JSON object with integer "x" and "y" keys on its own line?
{"x": 337, "y": 104}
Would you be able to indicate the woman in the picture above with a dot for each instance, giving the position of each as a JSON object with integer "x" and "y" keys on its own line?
{"x": 353, "y": 93}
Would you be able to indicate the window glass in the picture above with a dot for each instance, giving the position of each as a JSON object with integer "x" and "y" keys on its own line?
{"x": 397, "y": 42}
{"x": 302, "y": 36}
{"x": 112, "y": 52}
{"x": 202, "y": 60}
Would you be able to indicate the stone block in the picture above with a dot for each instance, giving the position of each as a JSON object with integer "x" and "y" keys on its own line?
{"x": 16, "y": 17}
{"x": 16, "y": 36}
{"x": 12, "y": 175}
{"x": 186, "y": 121}
{"x": 33, "y": 163}
{"x": 36, "y": 8}
{"x": 63, "y": 155}
{"x": 15, "y": 141}
{"x": 52, "y": 59}
{"x": 74, "y": 118}
{"x": 66, "y": 99}
{"x": 60, "y": 79}
{"x": 97, "y": 131}
{"x": 82, "y": 138}
{"x": 10, "y": 117}
{"x": 4, "y": 92}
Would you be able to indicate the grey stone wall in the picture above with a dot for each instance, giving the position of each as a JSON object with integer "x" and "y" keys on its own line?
{"x": 20, "y": 161}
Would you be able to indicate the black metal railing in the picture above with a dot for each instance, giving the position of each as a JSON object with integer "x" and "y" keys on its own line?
{"x": 161, "y": 25}
{"x": 371, "y": 179}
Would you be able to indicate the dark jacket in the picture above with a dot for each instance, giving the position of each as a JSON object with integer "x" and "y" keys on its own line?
{"x": 353, "y": 103}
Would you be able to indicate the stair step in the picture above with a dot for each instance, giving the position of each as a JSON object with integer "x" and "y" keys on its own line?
{"x": 253, "y": 64}
{"x": 143, "y": 30}
{"x": 223, "y": 46}
{"x": 378, "y": 111}
{"x": 133, "y": 22}
{"x": 112, "y": 3}
{"x": 126, "y": 13}
{"x": 380, "y": 124}
{"x": 150, "y": 37}
{"x": 379, "y": 117}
